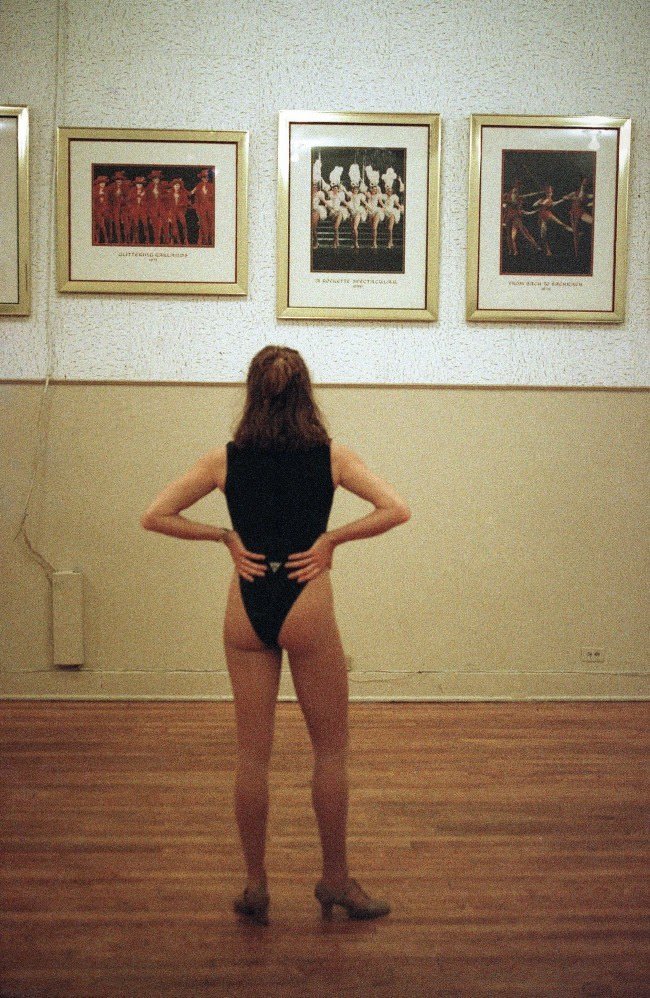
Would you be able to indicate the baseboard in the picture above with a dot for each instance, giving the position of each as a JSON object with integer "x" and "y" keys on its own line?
{"x": 86, "y": 684}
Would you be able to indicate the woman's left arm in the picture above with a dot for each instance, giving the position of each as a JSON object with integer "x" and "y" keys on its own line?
{"x": 163, "y": 515}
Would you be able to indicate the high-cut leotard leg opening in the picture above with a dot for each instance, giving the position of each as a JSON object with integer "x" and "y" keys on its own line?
{"x": 267, "y": 601}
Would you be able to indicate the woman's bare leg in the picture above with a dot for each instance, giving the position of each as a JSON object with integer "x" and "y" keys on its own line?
{"x": 311, "y": 637}
{"x": 375, "y": 226}
{"x": 337, "y": 223}
{"x": 354, "y": 222}
{"x": 254, "y": 673}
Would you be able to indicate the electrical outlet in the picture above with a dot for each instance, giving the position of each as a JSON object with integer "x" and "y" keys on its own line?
{"x": 593, "y": 655}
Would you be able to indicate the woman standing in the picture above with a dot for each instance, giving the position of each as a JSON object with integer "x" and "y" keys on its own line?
{"x": 580, "y": 210}
{"x": 512, "y": 208}
{"x": 374, "y": 201}
{"x": 279, "y": 474}
{"x": 391, "y": 204}
{"x": 356, "y": 203}
{"x": 336, "y": 205}
{"x": 544, "y": 208}
{"x": 318, "y": 212}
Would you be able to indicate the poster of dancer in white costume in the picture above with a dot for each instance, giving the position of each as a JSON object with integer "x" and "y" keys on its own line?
{"x": 358, "y": 213}
{"x": 361, "y": 225}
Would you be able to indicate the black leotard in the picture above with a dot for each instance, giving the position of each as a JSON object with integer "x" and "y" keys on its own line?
{"x": 279, "y": 503}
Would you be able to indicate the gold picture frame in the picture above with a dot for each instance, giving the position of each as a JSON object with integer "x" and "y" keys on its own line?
{"x": 349, "y": 253}
{"x": 152, "y": 211}
{"x": 547, "y": 218}
{"x": 15, "y": 264}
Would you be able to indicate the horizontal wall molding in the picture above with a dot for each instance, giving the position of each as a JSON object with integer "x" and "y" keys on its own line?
{"x": 82, "y": 684}
{"x": 336, "y": 384}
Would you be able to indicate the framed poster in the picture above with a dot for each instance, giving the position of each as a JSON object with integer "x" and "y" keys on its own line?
{"x": 358, "y": 210}
{"x": 143, "y": 211}
{"x": 14, "y": 212}
{"x": 547, "y": 220}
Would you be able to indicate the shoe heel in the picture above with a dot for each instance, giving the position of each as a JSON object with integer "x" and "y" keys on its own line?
{"x": 254, "y": 910}
{"x": 326, "y": 899}
{"x": 261, "y": 916}
{"x": 357, "y": 902}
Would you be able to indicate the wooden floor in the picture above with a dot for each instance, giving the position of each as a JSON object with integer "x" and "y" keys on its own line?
{"x": 510, "y": 839}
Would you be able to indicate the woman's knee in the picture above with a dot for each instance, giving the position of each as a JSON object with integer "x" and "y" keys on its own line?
{"x": 253, "y": 760}
{"x": 332, "y": 750}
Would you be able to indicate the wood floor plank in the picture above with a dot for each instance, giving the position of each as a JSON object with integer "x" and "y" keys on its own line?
{"x": 510, "y": 838}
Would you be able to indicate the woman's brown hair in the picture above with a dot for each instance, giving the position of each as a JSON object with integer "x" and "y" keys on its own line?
{"x": 280, "y": 411}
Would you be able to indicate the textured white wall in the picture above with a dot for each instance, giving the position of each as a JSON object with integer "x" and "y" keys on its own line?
{"x": 219, "y": 65}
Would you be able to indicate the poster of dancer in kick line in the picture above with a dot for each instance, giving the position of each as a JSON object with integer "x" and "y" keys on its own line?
{"x": 153, "y": 205}
{"x": 358, "y": 215}
{"x": 145, "y": 211}
{"x": 358, "y": 219}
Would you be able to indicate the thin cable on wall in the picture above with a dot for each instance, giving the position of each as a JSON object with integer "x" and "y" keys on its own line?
{"x": 42, "y": 427}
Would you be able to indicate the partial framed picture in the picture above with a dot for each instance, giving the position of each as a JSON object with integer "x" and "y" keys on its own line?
{"x": 144, "y": 211}
{"x": 547, "y": 220}
{"x": 358, "y": 216}
{"x": 15, "y": 264}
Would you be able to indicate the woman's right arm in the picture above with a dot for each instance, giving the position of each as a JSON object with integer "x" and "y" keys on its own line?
{"x": 390, "y": 509}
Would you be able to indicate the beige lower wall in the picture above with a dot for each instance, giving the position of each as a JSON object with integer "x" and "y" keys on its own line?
{"x": 528, "y": 541}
